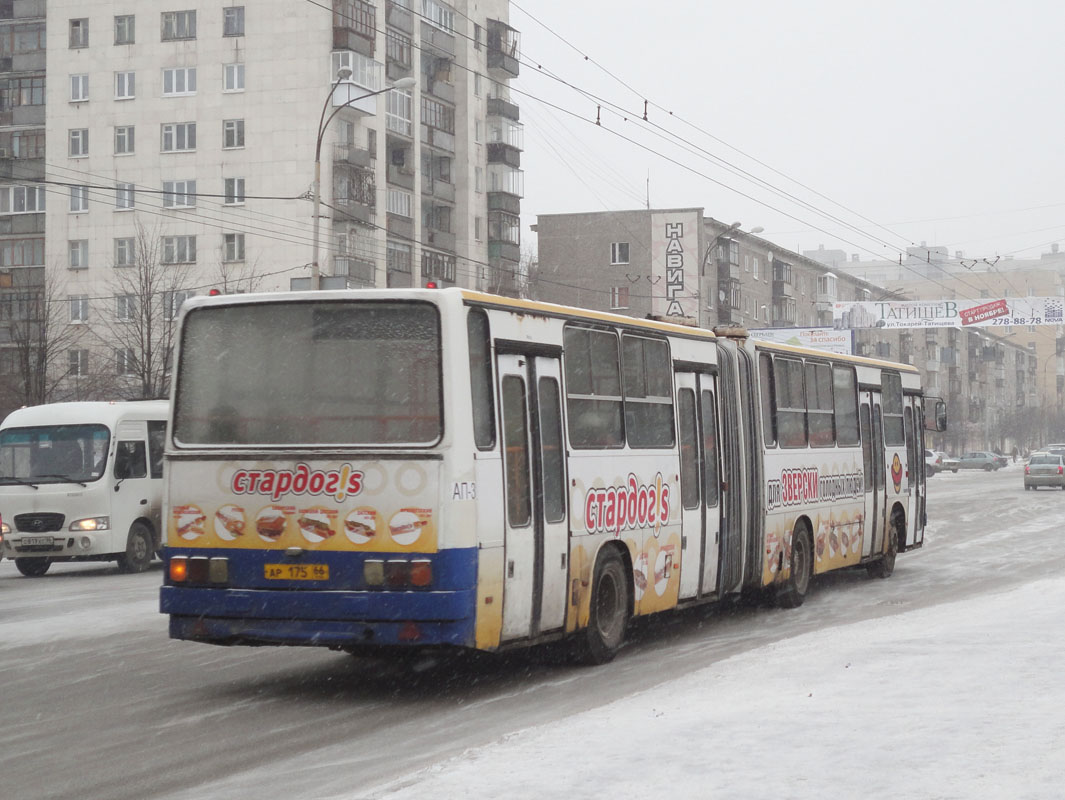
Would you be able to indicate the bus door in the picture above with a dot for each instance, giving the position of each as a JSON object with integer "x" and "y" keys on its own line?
{"x": 534, "y": 476}
{"x": 875, "y": 473}
{"x": 700, "y": 483}
{"x": 911, "y": 416}
{"x": 733, "y": 475}
{"x": 136, "y": 494}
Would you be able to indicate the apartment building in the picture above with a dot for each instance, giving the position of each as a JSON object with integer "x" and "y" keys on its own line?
{"x": 184, "y": 139}
{"x": 681, "y": 264}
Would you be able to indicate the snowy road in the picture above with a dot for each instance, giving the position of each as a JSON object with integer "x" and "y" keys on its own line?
{"x": 96, "y": 701}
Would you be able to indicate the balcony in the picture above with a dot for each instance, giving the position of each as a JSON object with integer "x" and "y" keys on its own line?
{"x": 354, "y": 26}
{"x": 443, "y": 240}
{"x": 503, "y": 153}
{"x": 504, "y": 201}
{"x": 783, "y": 289}
{"x": 498, "y": 107}
{"x": 438, "y": 39}
{"x": 504, "y": 251}
{"x": 727, "y": 270}
{"x": 357, "y": 269}
{"x": 400, "y": 176}
{"x": 399, "y": 17}
{"x": 351, "y": 155}
{"x": 439, "y": 189}
{"x": 504, "y": 50}
{"x": 22, "y": 170}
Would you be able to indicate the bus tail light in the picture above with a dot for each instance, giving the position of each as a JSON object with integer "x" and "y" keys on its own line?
{"x": 198, "y": 569}
{"x": 179, "y": 569}
{"x": 397, "y": 573}
{"x": 1027, "y": 469}
{"x": 1061, "y": 469}
{"x": 421, "y": 571}
{"x": 218, "y": 570}
{"x": 373, "y": 572}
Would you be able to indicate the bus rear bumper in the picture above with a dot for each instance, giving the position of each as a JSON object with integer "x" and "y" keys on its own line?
{"x": 330, "y": 619}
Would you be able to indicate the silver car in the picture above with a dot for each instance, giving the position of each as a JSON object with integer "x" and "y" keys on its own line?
{"x": 1044, "y": 469}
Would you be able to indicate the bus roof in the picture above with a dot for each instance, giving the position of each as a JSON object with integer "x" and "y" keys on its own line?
{"x": 814, "y": 352}
{"x": 82, "y": 413}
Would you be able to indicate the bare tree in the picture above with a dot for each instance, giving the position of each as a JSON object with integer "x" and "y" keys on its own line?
{"x": 38, "y": 314}
{"x": 141, "y": 326}
{"x": 235, "y": 275}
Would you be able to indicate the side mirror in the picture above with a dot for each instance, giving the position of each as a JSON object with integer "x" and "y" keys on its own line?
{"x": 941, "y": 416}
{"x": 937, "y": 421}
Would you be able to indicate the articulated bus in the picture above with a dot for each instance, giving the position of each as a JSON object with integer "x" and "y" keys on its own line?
{"x": 442, "y": 467}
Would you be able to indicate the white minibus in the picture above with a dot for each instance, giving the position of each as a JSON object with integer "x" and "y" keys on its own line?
{"x": 82, "y": 482}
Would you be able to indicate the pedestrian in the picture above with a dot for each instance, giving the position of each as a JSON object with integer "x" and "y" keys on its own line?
{"x": 1014, "y": 455}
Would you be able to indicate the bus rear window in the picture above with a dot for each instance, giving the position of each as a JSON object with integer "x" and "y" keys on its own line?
{"x": 293, "y": 373}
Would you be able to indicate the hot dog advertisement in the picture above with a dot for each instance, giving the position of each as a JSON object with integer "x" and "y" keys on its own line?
{"x": 381, "y": 506}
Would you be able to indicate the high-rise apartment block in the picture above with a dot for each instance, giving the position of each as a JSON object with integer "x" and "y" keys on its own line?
{"x": 183, "y": 137}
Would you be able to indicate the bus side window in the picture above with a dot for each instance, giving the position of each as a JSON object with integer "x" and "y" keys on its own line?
{"x": 156, "y": 440}
{"x": 484, "y": 424}
{"x": 845, "y": 391}
{"x": 892, "y": 405}
{"x": 593, "y": 388}
{"x": 130, "y": 461}
{"x": 765, "y": 384}
{"x": 820, "y": 411}
{"x": 791, "y": 403}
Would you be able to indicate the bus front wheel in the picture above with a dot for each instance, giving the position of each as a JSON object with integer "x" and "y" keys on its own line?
{"x": 139, "y": 549}
{"x": 32, "y": 567}
{"x": 609, "y": 613}
{"x": 793, "y": 592}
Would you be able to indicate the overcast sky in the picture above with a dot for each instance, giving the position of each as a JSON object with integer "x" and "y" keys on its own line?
{"x": 926, "y": 120}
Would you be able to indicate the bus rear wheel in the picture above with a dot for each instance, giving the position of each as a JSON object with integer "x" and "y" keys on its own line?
{"x": 885, "y": 565}
{"x": 139, "y": 549}
{"x": 32, "y": 567}
{"x": 793, "y": 592}
{"x": 609, "y": 614}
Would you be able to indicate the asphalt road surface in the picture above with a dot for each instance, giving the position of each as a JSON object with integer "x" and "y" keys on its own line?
{"x": 97, "y": 702}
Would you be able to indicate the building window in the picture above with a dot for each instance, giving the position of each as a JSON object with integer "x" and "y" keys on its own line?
{"x": 178, "y": 25}
{"x": 399, "y": 111}
{"x": 478, "y": 179}
{"x": 232, "y": 133}
{"x": 179, "y": 82}
{"x": 125, "y": 252}
{"x": 124, "y": 140}
{"x": 233, "y": 78}
{"x": 79, "y": 88}
{"x": 22, "y": 91}
{"x": 79, "y": 253}
{"x": 437, "y": 115}
{"x": 124, "y": 197}
{"x": 124, "y": 29}
{"x": 79, "y": 33}
{"x": 398, "y": 48}
{"x": 22, "y": 252}
{"x": 438, "y": 265}
{"x": 21, "y": 199}
{"x": 125, "y": 85}
{"x": 125, "y": 307}
{"x": 398, "y": 202}
{"x": 78, "y": 363}
{"x": 233, "y": 21}
{"x": 125, "y": 361}
{"x": 173, "y": 301}
{"x": 438, "y": 16}
{"x": 178, "y": 137}
{"x": 232, "y": 247}
{"x": 234, "y": 191}
{"x": 79, "y": 199}
{"x": 79, "y": 142}
{"x": 619, "y": 253}
{"x": 79, "y": 308}
{"x": 754, "y": 267}
{"x": 179, "y": 194}
{"x": 398, "y": 257}
{"x": 619, "y": 296}
{"x": 478, "y": 228}
{"x": 477, "y": 84}
{"x": 179, "y": 249}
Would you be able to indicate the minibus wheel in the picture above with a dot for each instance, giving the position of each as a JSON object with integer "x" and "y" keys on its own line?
{"x": 793, "y": 592}
{"x": 609, "y": 613}
{"x": 32, "y": 567}
{"x": 139, "y": 549}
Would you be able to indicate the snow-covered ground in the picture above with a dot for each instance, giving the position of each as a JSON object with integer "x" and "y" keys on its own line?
{"x": 956, "y": 701}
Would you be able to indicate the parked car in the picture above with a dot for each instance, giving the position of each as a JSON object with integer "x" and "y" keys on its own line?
{"x": 1057, "y": 449}
{"x": 932, "y": 463}
{"x": 1044, "y": 469}
{"x": 946, "y": 462}
{"x": 981, "y": 459}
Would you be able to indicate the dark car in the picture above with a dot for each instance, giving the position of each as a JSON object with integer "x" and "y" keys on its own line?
{"x": 1044, "y": 469}
{"x": 982, "y": 459}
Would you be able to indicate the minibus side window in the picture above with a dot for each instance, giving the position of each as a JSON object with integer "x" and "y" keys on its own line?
{"x": 130, "y": 461}
{"x": 156, "y": 438}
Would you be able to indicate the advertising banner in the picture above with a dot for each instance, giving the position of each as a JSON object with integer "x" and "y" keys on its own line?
{"x": 948, "y": 313}
{"x": 834, "y": 341}
{"x": 675, "y": 262}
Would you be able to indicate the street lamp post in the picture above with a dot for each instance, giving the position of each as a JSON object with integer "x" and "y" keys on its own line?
{"x": 323, "y": 122}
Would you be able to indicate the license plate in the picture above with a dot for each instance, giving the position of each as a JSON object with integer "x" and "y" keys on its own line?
{"x": 36, "y": 541}
{"x": 297, "y": 572}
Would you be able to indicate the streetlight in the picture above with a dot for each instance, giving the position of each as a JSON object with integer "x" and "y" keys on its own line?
{"x": 713, "y": 242}
{"x": 342, "y": 75}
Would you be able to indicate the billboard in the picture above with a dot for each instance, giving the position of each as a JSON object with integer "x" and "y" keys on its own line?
{"x": 948, "y": 313}
{"x": 675, "y": 264}
{"x": 834, "y": 341}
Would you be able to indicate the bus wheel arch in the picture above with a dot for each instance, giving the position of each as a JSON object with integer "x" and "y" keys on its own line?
{"x": 793, "y": 591}
{"x": 140, "y": 547}
{"x": 610, "y": 606}
{"x": 884, "y": 566}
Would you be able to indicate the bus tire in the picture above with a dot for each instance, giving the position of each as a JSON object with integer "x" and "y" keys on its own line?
{"x": 793, "y": 591}
{"x": 885, "y": 565}
{"x": 33, "y": 567}
{"x": 139, "y": 549}
{"x": 609, "y": 612}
